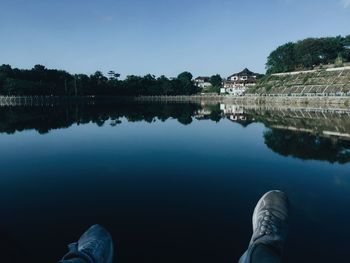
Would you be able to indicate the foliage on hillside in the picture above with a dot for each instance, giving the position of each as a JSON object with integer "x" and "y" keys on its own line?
{"x": 307, "y": 53}
{"x": 307, "y": 83}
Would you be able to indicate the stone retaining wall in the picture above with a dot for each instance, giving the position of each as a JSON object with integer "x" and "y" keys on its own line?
{"x": 322, "y": 102}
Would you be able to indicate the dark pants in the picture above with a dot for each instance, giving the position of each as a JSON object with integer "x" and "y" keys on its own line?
{"x": 254, "y": 254}
{"x": 76, "y": 260}
{"x": 260, "y": 254}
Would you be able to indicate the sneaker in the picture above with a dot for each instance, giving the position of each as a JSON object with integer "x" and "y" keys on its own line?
{"x": 94, "y": 246}
{"x": 270, "y": 223}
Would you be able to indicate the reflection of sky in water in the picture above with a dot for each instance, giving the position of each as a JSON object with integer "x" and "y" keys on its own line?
{"x": 186, "y": 190}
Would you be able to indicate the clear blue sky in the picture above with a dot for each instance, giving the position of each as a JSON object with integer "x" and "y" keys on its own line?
{"x": 160, "y": 36}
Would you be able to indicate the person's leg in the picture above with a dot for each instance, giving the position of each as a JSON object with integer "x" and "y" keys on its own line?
{"x": 76, "y": 260}
{"x": 260, "y": 254}
{"x": 94, "y": 246}
{"x": 270, "y": 223}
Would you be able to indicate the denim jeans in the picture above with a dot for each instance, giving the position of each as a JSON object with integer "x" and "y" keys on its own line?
{"x": 255, "y": 254}
{"x": 259, "y": 253}
{"x": 74, "y": 260}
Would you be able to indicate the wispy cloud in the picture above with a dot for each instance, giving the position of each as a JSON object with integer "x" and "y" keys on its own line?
{"x": 346, "y": 3}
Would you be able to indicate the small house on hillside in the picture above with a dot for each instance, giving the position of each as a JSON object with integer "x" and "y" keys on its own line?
{"x": 202, "y": 82}
{"x": 237, "y": 83}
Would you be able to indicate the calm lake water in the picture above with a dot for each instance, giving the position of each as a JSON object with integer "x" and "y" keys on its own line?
{"x": 172, "y": 182}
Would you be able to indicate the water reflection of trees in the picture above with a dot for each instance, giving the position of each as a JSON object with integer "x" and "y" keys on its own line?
{"x": 305, "y": 135}
{"x": 307, "y": 146}
{"x": 44, "y": 119}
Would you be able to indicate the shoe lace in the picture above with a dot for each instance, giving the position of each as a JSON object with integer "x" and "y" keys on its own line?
{"x": 268, "y": 223}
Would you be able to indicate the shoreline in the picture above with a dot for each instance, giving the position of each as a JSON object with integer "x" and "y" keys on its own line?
{"x": 273, "y": 101}
{"x": 256, "y": 100}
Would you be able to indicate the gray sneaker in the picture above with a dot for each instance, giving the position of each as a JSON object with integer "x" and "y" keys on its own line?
{"x": 94, "y": 246}
{"x": 270, "y": 224}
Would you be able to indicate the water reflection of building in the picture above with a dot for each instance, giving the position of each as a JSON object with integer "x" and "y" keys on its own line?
{"x": 231, "y": 109}
{"x": 232, "y": 112}
{"x": 203, "y": 114}
{"x": 236, "y": 113}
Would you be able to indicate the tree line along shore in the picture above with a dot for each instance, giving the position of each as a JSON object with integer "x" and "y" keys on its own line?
{"x": 307, "y": 54}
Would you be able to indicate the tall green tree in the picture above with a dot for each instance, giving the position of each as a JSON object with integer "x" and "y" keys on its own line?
{"x": 307, "y": 53}
{"x": 186, "y": 86}
{"x": 42, "y": 81}
{"x": 216, "y": 80}
{"x": 283, "y": 59}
